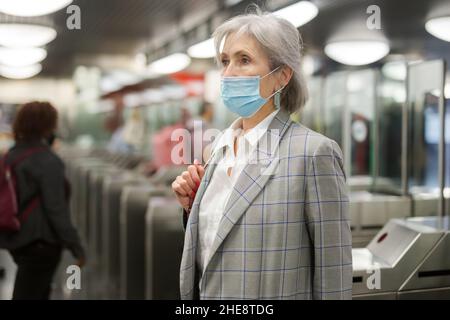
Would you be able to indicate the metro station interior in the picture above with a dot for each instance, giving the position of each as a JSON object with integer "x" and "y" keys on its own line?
{"x": 124, "y": 74}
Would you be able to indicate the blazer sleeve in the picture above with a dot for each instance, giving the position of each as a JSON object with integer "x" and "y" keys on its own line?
{"x": 328, "y": 223}
{"x": 53, "y": 197}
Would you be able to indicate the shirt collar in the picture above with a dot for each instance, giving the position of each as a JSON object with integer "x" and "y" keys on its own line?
{"x": 252, "y": 136}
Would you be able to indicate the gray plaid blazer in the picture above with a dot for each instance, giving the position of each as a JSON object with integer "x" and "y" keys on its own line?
{"x": 285, "y": 232}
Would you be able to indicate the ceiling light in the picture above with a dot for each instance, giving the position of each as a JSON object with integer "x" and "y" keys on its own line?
{"x": 132, "y": 100}
{"x": 117, "y": 79}
{"x": 393, "y": 91}
{"x": 170, "y": 64}
{"x": 204, "y": 49}
{"x": 436, "y": 93}
{"x": 124, "y": 77}
{"x": 153, "y": 96}
{"x": 299, "y": 13}
{"x": 25, "y": 35}
{"x": 357, "y": 52}
{"x": 31, "y": 8}
{"x": 20, "y": 72}
{"x": 395, "y": 70}
{"x": 109, "y": 85}
{"x": 309, "y": 65}
{"x": 106, "y": 105}
{"x": 355, "y": 82}
{"x": 174, "y": 92}
{"x": 439, "y": 27}
{"x": 140, "y": 60}
{"x": 20, "y": 57}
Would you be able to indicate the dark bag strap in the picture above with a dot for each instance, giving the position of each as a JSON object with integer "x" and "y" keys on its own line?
{"x": 25, "y": 155}
{"x": 34, "y": 202}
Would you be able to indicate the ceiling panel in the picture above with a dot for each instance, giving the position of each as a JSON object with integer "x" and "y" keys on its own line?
{"x": 121, "y": 27}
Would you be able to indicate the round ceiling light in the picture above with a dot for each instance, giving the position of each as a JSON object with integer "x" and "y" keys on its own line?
{"x": 32, "y": 8}
{"x": 25, "y": 35}
{"x": 20, "y": 57}
{"x": 170, "y": 64}
{"x": 357, "y": 52}
{"x": 439, "y": 27}
{"x": 299, "y": 13}
{"x": 204, "y": 49}
{"x": 20, "y": 72}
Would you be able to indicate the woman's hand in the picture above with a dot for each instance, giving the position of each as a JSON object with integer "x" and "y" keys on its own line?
{"x": 185, "y": 185}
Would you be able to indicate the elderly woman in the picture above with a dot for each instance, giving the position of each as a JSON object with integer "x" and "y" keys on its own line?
{"x": 270, "y": 217}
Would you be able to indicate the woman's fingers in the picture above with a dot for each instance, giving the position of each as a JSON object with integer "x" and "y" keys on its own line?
{"x": 183, "y": 201}
{"x": 194, "y": 174}
{"x": 200, "y": 169}
{"x": 184, "y": 185}
{"x": 187, "y": 176}
{"x": 178, "y": 189}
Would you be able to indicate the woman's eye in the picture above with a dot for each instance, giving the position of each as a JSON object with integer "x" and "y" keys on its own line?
{"x": 245, "y": 60}
{"x": 225, "y": 63}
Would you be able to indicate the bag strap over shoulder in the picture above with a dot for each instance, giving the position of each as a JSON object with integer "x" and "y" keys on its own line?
{"x": 35, "y": 201}
{"x": 25, "y": 155}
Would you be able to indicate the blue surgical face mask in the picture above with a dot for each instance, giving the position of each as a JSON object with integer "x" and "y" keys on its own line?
{"x": 241, "y": 94}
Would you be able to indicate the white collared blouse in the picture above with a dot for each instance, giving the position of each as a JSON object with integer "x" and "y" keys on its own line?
{"x": 219, "y": 188}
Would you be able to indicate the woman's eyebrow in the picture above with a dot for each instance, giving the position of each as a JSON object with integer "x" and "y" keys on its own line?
{"x": 242, "y": 53}
{"x": 236, "y": 54}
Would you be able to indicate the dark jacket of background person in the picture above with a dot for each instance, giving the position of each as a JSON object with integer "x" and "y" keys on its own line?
{"x": 42, "y": 174}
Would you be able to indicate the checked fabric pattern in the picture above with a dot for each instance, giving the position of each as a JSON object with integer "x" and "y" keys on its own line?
{"x": 285, "y": 232}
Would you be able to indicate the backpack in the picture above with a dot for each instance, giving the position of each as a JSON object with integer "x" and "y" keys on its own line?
{"x": 10, "y": 220}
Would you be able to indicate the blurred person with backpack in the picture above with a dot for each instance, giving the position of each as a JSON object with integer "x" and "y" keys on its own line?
{"x": 35, "y": 223}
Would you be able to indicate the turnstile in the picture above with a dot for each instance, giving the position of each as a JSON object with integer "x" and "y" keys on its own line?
{"x": 164, "y": 239}
{"x": 369, "y": 212}
{"x": 112, "y": 189}
{"x": 80, "y": 197}
{"x": 407, "y": 259}
{"x": 79, "y": 172}
{"x": 133, "y": 207}
{"x": 95, "y": 190}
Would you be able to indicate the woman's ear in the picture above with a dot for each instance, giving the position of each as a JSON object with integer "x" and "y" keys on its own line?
{"x": 285, "y": 76}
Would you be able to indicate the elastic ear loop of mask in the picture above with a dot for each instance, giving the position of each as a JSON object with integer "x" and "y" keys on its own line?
{"x": 277, "y": 94}
{"x": 271, "y": 72}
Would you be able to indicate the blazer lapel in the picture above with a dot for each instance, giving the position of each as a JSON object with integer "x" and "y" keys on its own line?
{"x": 262, "y": 165}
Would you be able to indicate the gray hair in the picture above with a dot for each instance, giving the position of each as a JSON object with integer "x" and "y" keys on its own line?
{"x": 282, "y": 43}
